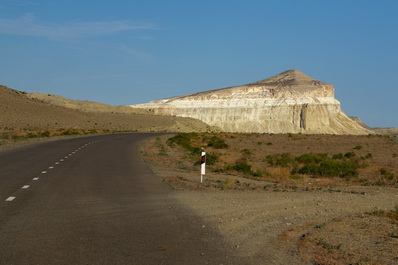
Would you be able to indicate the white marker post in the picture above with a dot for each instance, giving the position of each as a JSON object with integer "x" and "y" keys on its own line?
{"x": 203, "y": 166}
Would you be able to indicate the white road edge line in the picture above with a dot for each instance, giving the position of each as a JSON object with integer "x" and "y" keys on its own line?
{"x": 35, "y": 178}
{"x": 44, "y": 172}
{"x": 26, "y": 186}
{"x": 10, "y": 199}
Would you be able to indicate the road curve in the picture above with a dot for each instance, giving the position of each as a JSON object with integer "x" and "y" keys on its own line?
{"x": 92, "y": 200}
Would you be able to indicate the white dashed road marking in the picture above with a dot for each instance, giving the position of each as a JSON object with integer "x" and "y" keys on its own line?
{"x": 10, "y": 199}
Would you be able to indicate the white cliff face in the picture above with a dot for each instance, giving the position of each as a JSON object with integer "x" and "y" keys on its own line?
{"x": 290, "y": 102}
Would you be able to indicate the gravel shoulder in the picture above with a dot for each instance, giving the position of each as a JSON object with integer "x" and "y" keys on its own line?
{"x": 260, "y": 225}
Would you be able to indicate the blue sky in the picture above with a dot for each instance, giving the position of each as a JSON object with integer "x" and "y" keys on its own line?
{"x": 125, "y": 52}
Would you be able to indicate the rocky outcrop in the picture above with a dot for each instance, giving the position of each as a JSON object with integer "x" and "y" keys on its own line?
{"x": 290, "y": 102}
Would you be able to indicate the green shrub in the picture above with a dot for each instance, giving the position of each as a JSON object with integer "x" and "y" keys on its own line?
{"x": 310, "y": 169}
{"x": 70, "y": 132}
{"x": 217, "y": 142}
{"x": 349, "y": 155}
{"x": 283, "y": 160}
{"x": 243, "y": 166}
{"x": 246, "y": 152}
{"x": 184, "y": 140}
{"x": 331, "y": 168}
{"x": 295, "y": 176}
{"x": 358, "y": 147}
{"x": 45, "y": 134}
{"x": 386, "y": 174}
{"x": 31, "y": 135}
{"x": 311, "y": 158}
{"x": 338, "y": 156}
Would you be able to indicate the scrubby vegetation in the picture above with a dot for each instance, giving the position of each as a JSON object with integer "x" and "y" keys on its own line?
{"x": 362, "y": 160}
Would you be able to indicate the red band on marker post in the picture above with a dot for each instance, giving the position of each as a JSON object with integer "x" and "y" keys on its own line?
{"x": 203, "y": 166}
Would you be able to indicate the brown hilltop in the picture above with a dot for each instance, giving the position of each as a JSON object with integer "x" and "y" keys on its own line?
{"x": 22, "y": 110}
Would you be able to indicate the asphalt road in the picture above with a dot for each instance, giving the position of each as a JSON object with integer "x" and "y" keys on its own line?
{"x": 92, "y": 200}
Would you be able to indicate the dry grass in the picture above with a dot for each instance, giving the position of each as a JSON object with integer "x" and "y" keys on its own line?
{"x": 358, "y": 239}
{"x": 375, "y": 157}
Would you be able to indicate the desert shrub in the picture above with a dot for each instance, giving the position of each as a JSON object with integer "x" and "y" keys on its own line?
{"x": 331, "y": 168}
{"x": 31, "y": 135}
{"x": 242, "y": 166}
{"x": 349, "y": 155}
{"x": 386, "y": 174}
{"x": 394, "y": 155}
{"x": 4, "y": 136}
{"x": 184, "y": 140}
{"x": 393, "y": 214}
{"x": 295, "y": 176}
{"x": 217, "y": 142}
{"x": 246, "y": 152}
{"x": 70, "y": 132}
{"x": 310, "y": 169}
{"x": 16, "y": 137}
{"x": 283, "y": 160}
{"x": 311, "y": 158}
{"x": 358, "y": 147}
{"x": 338, "y": 156}
{"x": 45, "y": 134}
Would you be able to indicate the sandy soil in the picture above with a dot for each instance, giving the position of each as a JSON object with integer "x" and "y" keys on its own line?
{"x": 281, "y": 223}
{"x": 266, "y": 227}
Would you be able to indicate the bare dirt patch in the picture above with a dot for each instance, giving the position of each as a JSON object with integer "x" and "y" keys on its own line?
{"x": 275, "y": 218}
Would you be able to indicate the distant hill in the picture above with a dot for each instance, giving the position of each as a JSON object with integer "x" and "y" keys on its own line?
{"x": 22, "y": 110}
{"x": 389, "y": 131}
{"x": 83, "y": 105}
{"x": 289, "y": 102}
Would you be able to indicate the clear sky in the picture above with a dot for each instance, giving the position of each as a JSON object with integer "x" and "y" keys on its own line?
{"x": 131, "y": 51}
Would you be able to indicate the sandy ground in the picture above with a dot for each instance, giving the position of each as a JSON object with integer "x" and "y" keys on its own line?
{"x": 253, "y": 222}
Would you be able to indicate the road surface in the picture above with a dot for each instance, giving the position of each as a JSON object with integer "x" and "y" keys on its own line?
{"x": 92, "y": 200}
